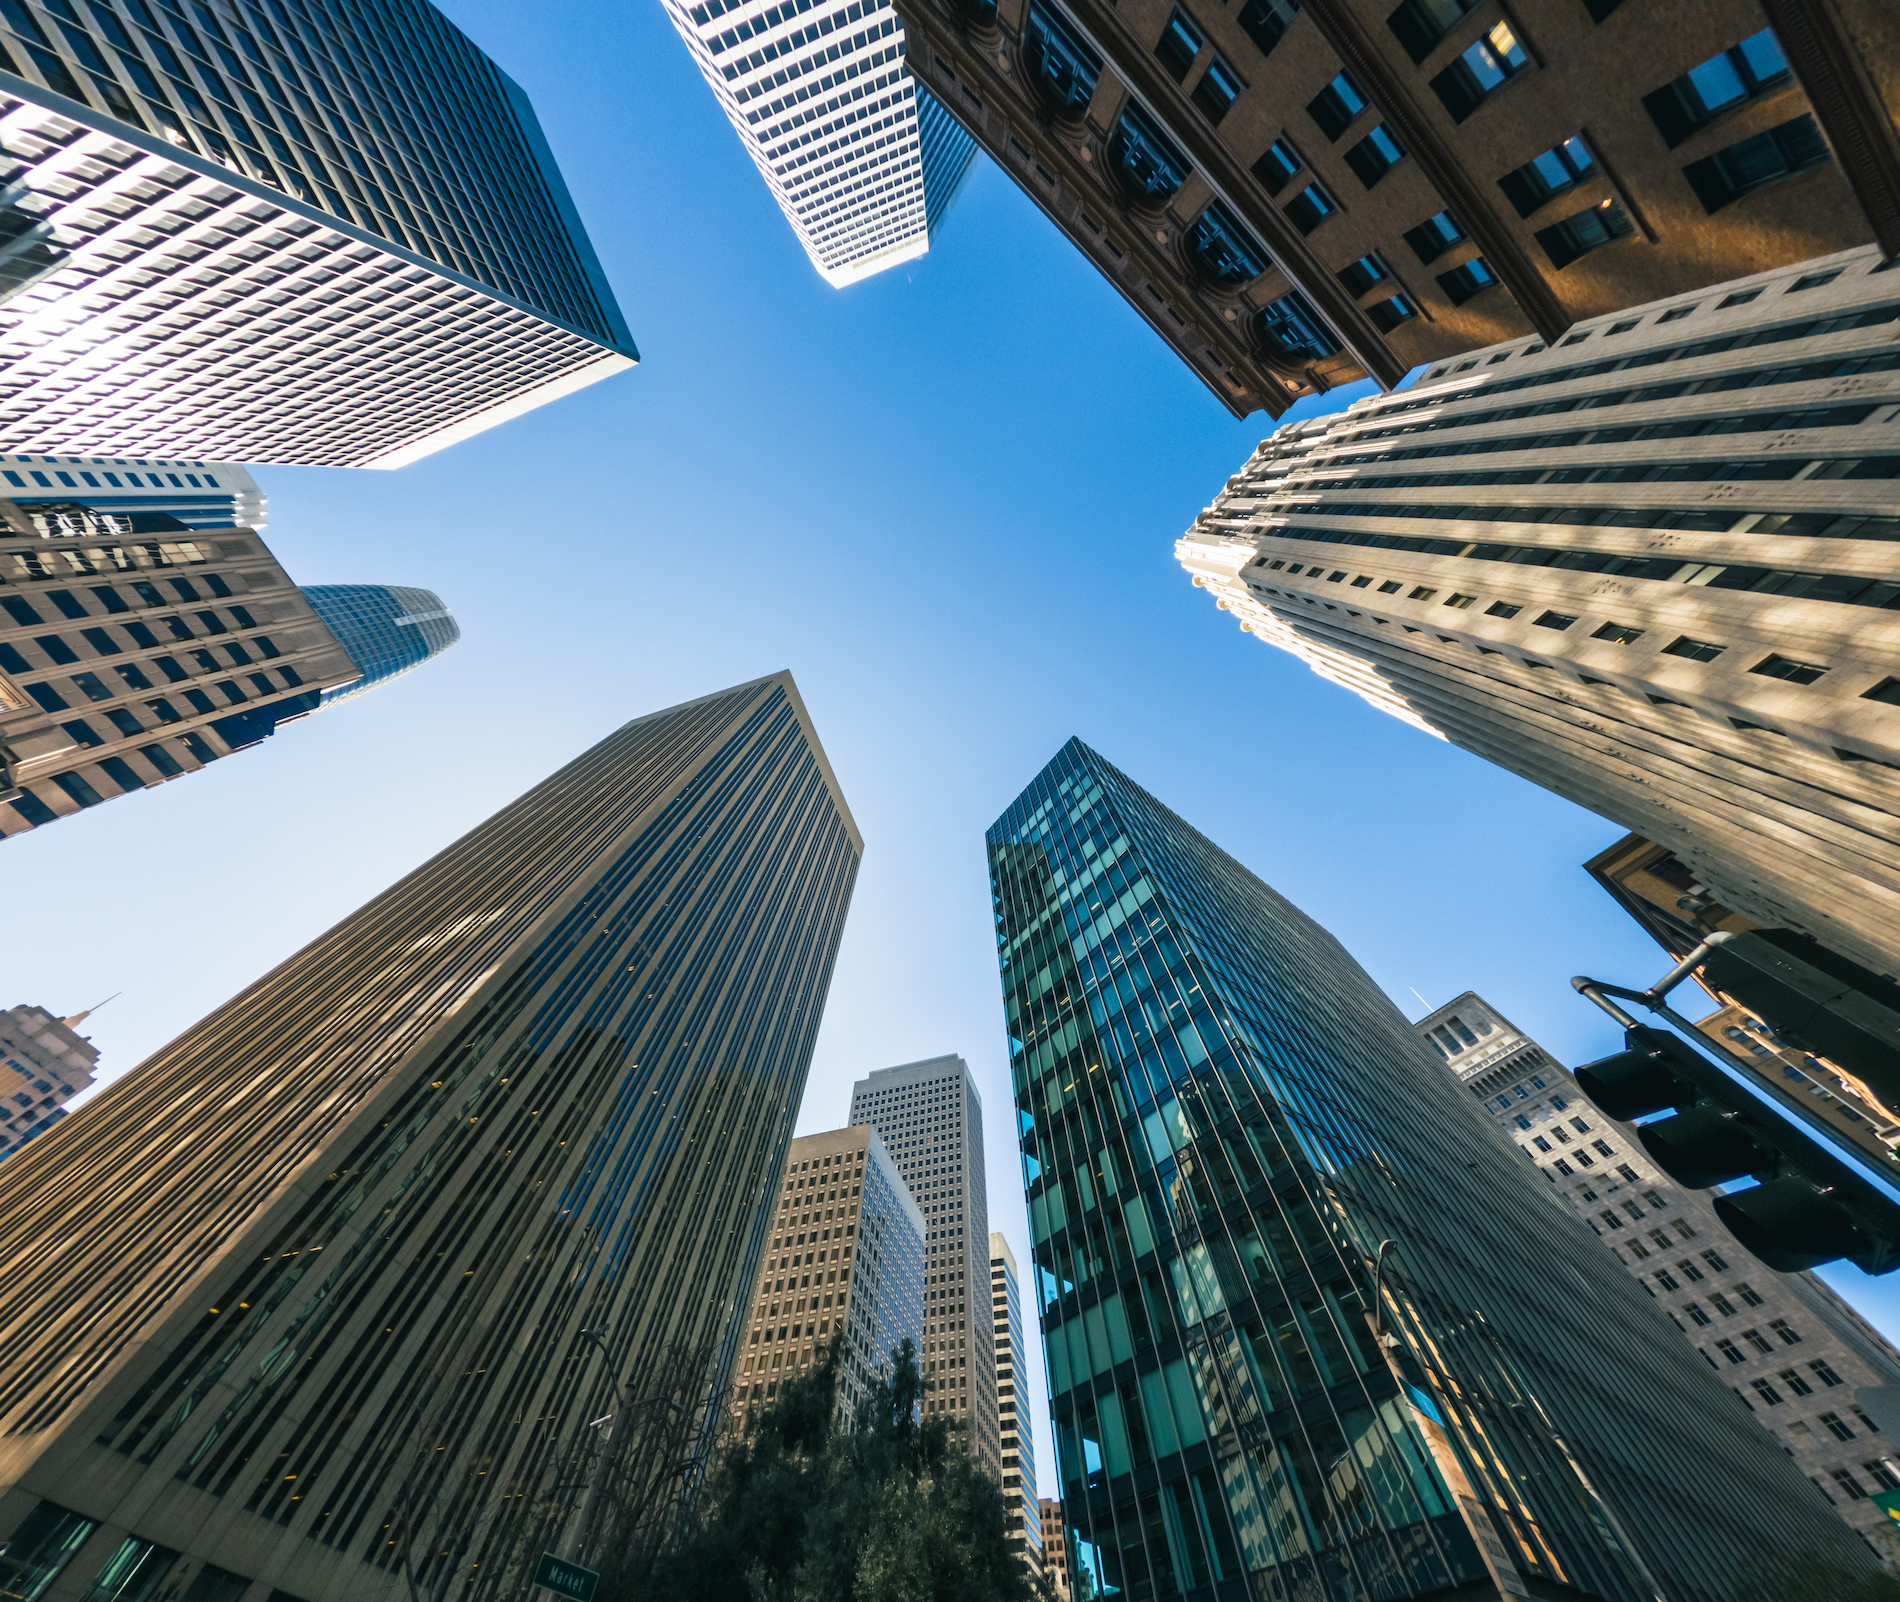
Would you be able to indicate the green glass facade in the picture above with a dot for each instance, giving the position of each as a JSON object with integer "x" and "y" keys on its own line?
{"x": 1221, "y": 1119}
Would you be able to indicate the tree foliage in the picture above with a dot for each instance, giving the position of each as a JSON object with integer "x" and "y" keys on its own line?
{"x": 888, "y": 1507}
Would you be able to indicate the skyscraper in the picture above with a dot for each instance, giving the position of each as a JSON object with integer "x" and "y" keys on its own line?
{"x": 931, "y": 1118}
{"x": 1293, "y": 195}
{"x": 1054, "y": 1546}
{"x": 845, "y": 1260}
{"x": 330, "y": 234}
{"x": 1791, "y": 1349}
{"x": 1655, "y": 576}
{"x": 1015, "y": 1404}
{"x": 861, "y": 161}
{"x": 127, "y": 659}
{"x": 458, "y": 1174}
{"x": 47, "y": 1062}
{"x": 197, "y": 494}
{"x": 1242, "y": 1165}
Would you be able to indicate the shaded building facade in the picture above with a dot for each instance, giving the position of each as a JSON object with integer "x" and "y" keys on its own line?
{"x": 47, "y": 1062}
{"x": 1791, "y": 1350}
{"x": 861, "y": 160}
{"x": 1650, "y": 570}
{"x": 931, "y": 1118}
{"x": 135, "y": 650}
{"x": 1015, "y": 1407}
{"x": 844, "y": 1262}
{"x": 457, "y": 1170}
{"x": 295, "y": 233}
{"x": 1293, "y": 195}
{"x": 1224, "y": 1120}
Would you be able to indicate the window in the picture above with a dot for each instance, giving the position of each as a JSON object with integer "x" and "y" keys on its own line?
{"x": 1819, "y": 1369}
{"x": 1222, "y": 251}
{"x": 1627, "y": 1172}
{"x": 1063, "y": 68}
{"x": 1279, "y": 163}
{"x": 1364, "y": 273}
{"x": 1310, "y": 207}
{"x": 1145, "y": 162}
{"x": 1747, "y": 71}
{"x": 1795, "y": 1382}
{"x": 1463, "y": 282}
{"x": 1676, "y": 315}
{"x": 1688, "y": 1269}
{"x": 1543, "y": 1145}
{"x": 1749, "y": 1295}
{"x": 1767, "y": 1392}
{"x": 1421, "y": 594}
{"x": 1612, "y": 1220}
{"x": 1218, "y": 89}
{"x": 1266, "y": 21}
{"x": 1335, "y": 106}
{"x": 1887, "y": 690}
{"x": 1740, "y": 298}
{"x": 1293, "y": 328}
{"x": 1782, "y": 667}
{"x": 1616, "y": 634}
{"x": 1390, "y": 587}
{"x": 1727, "y": 1349}
{"x": 1666, "y": 1279}
{"x": 1490, "y": 62}
{"x": 1374, "y": 156}
{"x": 1554, "y": 620}
{"x": 1698, "y": 1317}
{"x": 1788, "y": 1336}
{"x": 1694, "y": 650}
{"x": 1578, "y": 235}
{"x": 1180, "y": 44}
{"x": 1717, "y": 1264}
{"x": 1543, "y": 178}
{"x": 161, "y": 759}
{"x": 1502, "y": 609}
{"x": 1420, "y": 24}
{"x": 1814, "y": 281}
{"x": 1794, "y": 146}
{"x": 1837, "y": 1426}
{"x": 1433, "y": 237}
{"x": 124, "y": 721}
{"x": 77, "y": 789}
{"x": 1460, "y": 601}
{"x": 92, "y": 686}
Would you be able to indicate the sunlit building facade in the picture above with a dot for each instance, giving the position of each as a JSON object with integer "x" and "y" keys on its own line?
{"x": 1793, "y": 1352}
{"x": 318, "y": 234}
{"x": 1015, "y": 1407}
{"x": 1649, "y": 568}
{"x": 458, "y": 1173}
{"x": 44, "y": 1063}
{"x": 844, "y": 1265}
{"x": 860, "y": 160}
{"x": 1223, "y": 1121}
{"x": 931, "y": 1118}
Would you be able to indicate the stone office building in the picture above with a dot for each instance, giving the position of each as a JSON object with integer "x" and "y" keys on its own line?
{"x": 844, "y": 1264}
{"x": 44, "y": 1063}
{"x": 1651, "y": 570}
{"x": 459, "y": 1173}
{"x": 1293, "y": 194}
{"x": 135, "y": 650}
{"x": 931, "y": 1118}
{"x": 1015, "y": 1405}
{"x": 1792, "y": 1351}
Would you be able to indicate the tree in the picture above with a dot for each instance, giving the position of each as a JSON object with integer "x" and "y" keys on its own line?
{"x": 888, "y": 1507}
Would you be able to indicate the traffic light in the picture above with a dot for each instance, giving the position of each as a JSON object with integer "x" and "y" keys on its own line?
{"x": 1816, "y": 999}
{"x": 1810, "y": 1206}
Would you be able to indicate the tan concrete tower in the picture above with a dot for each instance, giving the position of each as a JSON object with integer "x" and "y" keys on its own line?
{"x": 448, "y": 1184}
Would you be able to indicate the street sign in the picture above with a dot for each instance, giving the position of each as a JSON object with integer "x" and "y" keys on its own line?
{"x": 1888, "y": 1502}
{"x": 566, "y": 1579}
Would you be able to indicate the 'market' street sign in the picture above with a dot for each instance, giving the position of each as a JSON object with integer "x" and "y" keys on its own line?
{"x": 566, "y": 1579}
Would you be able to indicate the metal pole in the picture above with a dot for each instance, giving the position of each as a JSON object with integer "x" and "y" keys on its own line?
{"x": 583, "y": 1525}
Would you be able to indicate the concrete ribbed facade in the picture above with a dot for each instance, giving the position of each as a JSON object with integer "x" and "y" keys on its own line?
{"x": 1679, "y": 610}
{"x": 539, "y": 1087}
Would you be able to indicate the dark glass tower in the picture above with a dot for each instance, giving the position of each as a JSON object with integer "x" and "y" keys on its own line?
{"x": 1222, "y": 1120}
{"x": 326, "y": 1293}
{"x": 386, "y": 628}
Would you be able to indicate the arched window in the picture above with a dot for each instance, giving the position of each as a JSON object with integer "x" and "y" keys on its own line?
{"x": 1222, "y": 251}
{"x": 1150, "y": 168}
{"x": 1063, "y": 67}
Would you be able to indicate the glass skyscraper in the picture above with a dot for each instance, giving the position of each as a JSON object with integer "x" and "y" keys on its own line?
{"x": 446, "y": 1181}
{"x": 276, "y": 230}
{"x": 386, "y": 628}
{"x": 861, "y": 160}
{"x": 1234, "y": 1149}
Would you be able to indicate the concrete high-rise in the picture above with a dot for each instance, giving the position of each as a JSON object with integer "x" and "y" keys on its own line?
{"x": 1790, "y": 1349}
{"x": 197, "y": 494}
{"x": 1243, "y": 1165}
{"x": 862, "y": 162}
{"x": 1055, "y": 1560}
{"x": 457, "y": 1172}
{"x": 134, "y": 650}
{"x": 1015, "y": 1407}
{"x": 931, "y": 1118}
{"x": 328, "y": 234}
{"x": 46, "y": 1062}
{"x": 1650, "y": 569}
{"x": 844, "y": 1262}
{"x": 1295, "y": 194}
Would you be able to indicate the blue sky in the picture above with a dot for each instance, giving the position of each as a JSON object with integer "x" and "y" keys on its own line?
{"x": 947, "y": 500}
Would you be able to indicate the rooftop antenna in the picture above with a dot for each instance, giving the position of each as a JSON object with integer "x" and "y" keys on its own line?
{"x": 80, "y": 1017}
